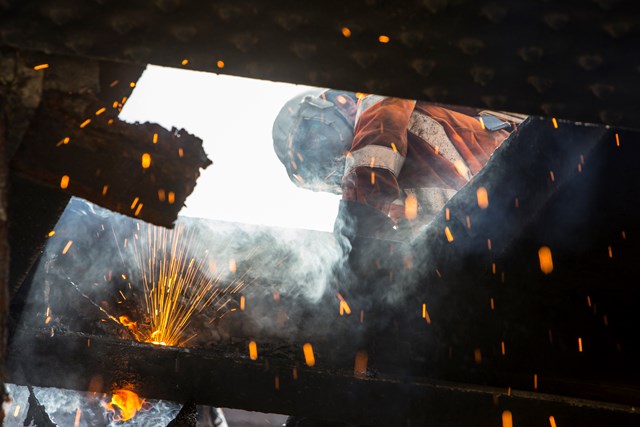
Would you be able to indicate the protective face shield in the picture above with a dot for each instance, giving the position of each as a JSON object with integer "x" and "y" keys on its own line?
{"x": 310, "y": 136}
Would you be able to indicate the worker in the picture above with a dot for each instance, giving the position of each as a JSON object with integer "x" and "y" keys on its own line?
{"x": 395, "y": 161}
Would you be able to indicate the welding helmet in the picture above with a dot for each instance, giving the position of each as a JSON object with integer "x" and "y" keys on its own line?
{"x": 311, "y": 134}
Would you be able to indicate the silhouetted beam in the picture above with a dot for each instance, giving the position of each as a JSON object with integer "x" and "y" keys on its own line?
{"x": 226, "y": 376}
{"x": 547, "y": 59}
{"x": 75, "y": 143}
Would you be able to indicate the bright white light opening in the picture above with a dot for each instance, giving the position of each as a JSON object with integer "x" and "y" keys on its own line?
{"x": 234, "y": 117}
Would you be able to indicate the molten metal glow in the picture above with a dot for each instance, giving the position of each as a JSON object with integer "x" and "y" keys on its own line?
{"x": 253, "y": 350}
{"x": 546, "y": 261}
{"x": 127, "y": 403}
{"x": 507, "y": 419}
{"x": 309, "y": 358}
{"x": 483, "y": 198}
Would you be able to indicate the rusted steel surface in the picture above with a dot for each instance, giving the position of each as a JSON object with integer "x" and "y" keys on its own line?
{"x": 572, "y": 60}
{"x": 226, "y": 376}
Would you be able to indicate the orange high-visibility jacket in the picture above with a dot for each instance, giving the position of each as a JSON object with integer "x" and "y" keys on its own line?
{"x": 404, "y": 147}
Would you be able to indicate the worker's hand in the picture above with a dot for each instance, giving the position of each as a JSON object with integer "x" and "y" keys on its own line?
{"x": 357, "y": 219}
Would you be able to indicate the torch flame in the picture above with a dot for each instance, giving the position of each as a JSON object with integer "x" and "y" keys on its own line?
{"x": 127, "y": 403}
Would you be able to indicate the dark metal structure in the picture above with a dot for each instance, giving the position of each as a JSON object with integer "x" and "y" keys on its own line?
{"x": 503, "y": 335}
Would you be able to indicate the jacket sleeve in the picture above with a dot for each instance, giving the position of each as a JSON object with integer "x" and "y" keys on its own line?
{"x": 377, "y": 154}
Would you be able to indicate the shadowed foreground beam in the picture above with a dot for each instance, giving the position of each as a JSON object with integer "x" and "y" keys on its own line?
{"x": 227, "y": 377}
{"x": 111, "y": 163}
{"x": 4, "y": 247}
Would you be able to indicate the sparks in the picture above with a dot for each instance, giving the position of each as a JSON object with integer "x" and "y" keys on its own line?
{"x": 546, "y": 260}
{"x": 411, "y": 207}
{"x": 41, "y": 67}
{"x": 185, "y": 61}
{"x": 64, "y": 182}
{"x": 483, "y": 198}
{"x": 77, "y": 420}
{"x": 51, "y": 233}
{"x": 554, "y": 122}
{"x": 425, "y": 314}
{"x": 155, "y": 138}
{"x": 507, "y": 419}
{"x": 67, "y": 247}
{"x": 383, "y": 39}
{"x": 175, "y": 283}
{"x": 346, "y": 32}
{"x": 146, "y": 160}
{"x": 253, "y": 350}
{"x": 449, "y": 235}
{"x": 220, "y": 64}
{"x": 85, "y": 123}
{"x": 552, "y": 421}
{"x": 100, "y": 111}
{"x": 309, "y": 358}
